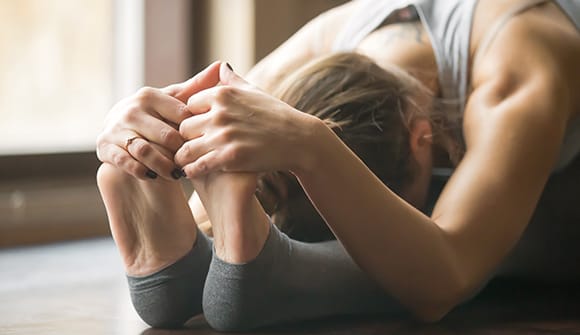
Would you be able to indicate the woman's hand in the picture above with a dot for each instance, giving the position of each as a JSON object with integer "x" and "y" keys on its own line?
{"x": 140, "y": 135}
{"x": 237, "y": 127}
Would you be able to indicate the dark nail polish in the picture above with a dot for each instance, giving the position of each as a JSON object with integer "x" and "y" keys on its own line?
{"x": 151, "y": 174}
{"x": 176, "y": 173}
{"x": 230, "y": 67}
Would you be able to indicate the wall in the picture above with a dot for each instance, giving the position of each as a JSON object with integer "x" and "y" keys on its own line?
{"x": 244, "y": 31}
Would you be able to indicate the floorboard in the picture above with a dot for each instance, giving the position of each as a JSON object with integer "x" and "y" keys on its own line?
{"x": 79, "y": 288}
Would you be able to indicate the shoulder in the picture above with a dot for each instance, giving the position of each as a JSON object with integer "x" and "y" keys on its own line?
{"x": 528, "y": 69}
{"x": 328, "y": 24}
{"x": 312, "y": 40}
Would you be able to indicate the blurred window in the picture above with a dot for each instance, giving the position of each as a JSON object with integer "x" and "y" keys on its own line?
{"x": 57, "y": 69}
{"x": 63, "y": 63}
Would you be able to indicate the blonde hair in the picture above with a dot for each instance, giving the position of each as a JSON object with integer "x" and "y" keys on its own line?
{"x": 369, "y": 108}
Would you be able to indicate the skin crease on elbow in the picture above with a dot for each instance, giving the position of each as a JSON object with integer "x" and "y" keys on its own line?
{"x": 521, "y": 97}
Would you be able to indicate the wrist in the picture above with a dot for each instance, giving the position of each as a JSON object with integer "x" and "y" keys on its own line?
{"x": 315, "y": 135}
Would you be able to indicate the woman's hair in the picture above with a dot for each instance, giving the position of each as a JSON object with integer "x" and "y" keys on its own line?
{"x": 369, "y": 108}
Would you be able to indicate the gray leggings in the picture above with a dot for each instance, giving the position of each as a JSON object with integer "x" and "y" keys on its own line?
{"x": 288, "y": 281}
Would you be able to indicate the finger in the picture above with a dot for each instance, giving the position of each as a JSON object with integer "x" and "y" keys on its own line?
{"x": 202, "y": 166}
{"x": 167, "y": 107}
{"x": 149, "y": 156}
{"x": 201, "y": 102}
{"x": 191, "y": 151}
{"x": 208, "y": 77}
{"x": 229, "y": 77}
{"x": 193, "y": 127}
{"x": 159, "y": 132}
{"x": 120, "y": 158}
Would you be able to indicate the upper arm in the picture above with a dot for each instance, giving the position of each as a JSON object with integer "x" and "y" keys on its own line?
{"x": 312, "y": 40}
{"x": 514, "y": 123}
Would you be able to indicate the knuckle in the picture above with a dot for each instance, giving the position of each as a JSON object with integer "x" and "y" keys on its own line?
{"x": 131, "y": 114}
{"x": 135, "y": 169}
{"x": 182, "y": 154}
{"x": 171, "y": 89}
{"x": 186, "y": 150}
{"x": 118, "y": 159}
{"x": 183, "y": 112}
{"x": 201, "y": 167}
{"x": 221, "y": 117}
{"x": 227, "y": 135}
{"x": 233, "y": 154}
{"x": 145, "y": 94}
{"x": 102, "y": 148}
{"x": 100, "y": 140}
{"x": 141, "y": 149}
{"x": 224, "y": 94}
{"x": 170, "y": 137}
{"x": 183, "y": 127}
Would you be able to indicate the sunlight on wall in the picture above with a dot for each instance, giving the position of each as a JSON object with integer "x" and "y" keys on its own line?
{"x": 231, "y": 35}
{"x": 56, "y": 73}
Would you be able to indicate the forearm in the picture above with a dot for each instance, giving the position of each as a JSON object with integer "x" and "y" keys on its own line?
{"x": 402, "y": 249}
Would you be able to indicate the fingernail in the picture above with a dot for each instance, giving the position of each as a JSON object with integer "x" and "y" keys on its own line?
{"x": 183, "y": 174}
{"x": 176, "y": 173}
{"x": 229, "y": 67}
{"x": 151, "y": 174}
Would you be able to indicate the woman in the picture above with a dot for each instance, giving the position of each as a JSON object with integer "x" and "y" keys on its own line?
{"x": 365, "y": 106}
{"x": 512, "y": 86}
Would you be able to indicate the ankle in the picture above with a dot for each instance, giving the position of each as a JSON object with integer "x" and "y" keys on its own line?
{"x": 240, "y": 241}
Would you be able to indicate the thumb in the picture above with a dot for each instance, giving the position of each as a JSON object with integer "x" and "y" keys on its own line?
{"x": 229, "y": 77}
{"x": 207, "y": 78}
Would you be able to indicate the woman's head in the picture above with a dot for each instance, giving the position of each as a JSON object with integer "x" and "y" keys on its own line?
{"x": 372, "y": 110}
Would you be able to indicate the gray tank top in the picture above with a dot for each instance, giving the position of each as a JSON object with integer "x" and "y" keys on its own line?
{"x": 448, "y": 24}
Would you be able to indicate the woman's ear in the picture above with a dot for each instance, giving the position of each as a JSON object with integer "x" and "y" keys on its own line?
{"x": 421, "y": 140}
{"x": 421, "y": 145}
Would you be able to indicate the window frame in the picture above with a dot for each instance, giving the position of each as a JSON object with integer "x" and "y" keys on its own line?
{"x": 49, "y": 197}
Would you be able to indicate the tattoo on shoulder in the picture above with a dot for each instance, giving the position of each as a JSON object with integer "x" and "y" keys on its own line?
{"x": 410, "y": 31}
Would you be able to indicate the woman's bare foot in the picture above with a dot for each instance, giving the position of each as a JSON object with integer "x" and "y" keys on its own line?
{"x": 150, "y": 220}
{"x": 240, "y": 225}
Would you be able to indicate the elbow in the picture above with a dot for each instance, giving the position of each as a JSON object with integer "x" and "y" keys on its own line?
{"x": 431, "y": 314}
{"x": 436, "y": 305}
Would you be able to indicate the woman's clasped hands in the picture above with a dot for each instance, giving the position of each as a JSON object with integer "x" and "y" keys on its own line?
{"x": 215, "y": 121}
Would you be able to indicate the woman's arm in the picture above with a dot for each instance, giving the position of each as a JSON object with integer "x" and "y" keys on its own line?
{"x": 432, "y": 264}
{"x": 515, "y": 121}
{"x": 312, "y": 40}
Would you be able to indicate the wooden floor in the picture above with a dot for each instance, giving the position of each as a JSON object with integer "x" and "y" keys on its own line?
{"x": 79, "y": 288}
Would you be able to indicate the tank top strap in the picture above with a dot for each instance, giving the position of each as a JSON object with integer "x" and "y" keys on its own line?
{"x": 367, "y": 18}
{"x": 448, "y": 23}
{"x": 499, "y": 23}
{"x": 572, "y": 9}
